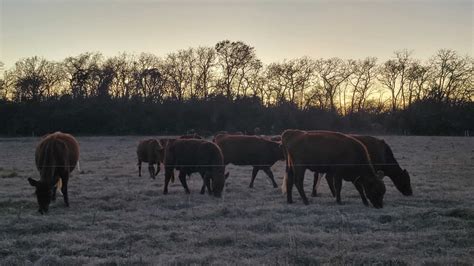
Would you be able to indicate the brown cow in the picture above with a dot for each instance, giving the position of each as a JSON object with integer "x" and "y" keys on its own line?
{"x": 338, "y": 155}
{"x": 56, "y": 156}
{"x": 383, "y": 160}
{"x": 195, "y": 156}
{"x": 150, "y": 151}
{"x": 258, "y": 152}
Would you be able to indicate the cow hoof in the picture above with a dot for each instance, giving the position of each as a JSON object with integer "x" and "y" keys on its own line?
{"x": 165, "y": 192}
{"x": 314, "y": 195}
{"x": 275, "y": 186}
{"x": 251, "y": 186}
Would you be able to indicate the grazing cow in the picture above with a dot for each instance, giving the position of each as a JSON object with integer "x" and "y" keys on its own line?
{"x": 56, "y": 156}
{"x": 258, "y": 152}
{"x": 383, "y": 160}
{"x": 150, "y": 151}
{"x": 195, "y": 156}
{"x": 338, "y": 155}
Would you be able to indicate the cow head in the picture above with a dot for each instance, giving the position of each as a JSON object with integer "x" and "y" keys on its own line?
{"x": 43, "y": 194}
{"x": 218, "y": 184}
{"x": 375, "y": 190}
{"x": 403, "y": 183}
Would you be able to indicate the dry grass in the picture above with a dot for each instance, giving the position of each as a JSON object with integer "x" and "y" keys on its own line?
{"x": 118, "y": 218}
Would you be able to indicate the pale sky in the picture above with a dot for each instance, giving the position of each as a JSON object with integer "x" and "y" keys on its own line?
{"x": 280, "y": 29}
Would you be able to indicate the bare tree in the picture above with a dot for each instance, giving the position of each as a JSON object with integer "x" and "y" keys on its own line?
{"x": 333, "y": 72}
{"x": 82, "y": 72}
{"x": 205, "y": 63}
{"x": 362, "y": 81}
{"x": 34, "y": 79}
{"x": 393, "y": 75}
{"x": 290, "y": 79}
{"x": 417, "y": 77}
{"x": 148, "y": 81}
{"x": 179, "y": 69}
{"x": 451, "y": 77}
{"x": 233, "y": 58}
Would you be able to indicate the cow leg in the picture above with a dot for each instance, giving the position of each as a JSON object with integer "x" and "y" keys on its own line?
{"x": 269, "y": 172}
{"x": 207, "y": 178}
{"x": 53, "y": 192}
{"x": 182, "y": 178}
{"x": 360, "y": 188}
{"x": 254, "y": 174}
{"x": 139, "y": 168}
{"x": 157, "y": 168}
{"x": 337, "y": 180}
{"x": 316, "y": 180}
{"x": 65, "y": 180}
{"x": 330, "y": 181}
{"x": 299, "y": 178}
{"x": 168, "y": 175}
{"x": 289, "y": 184}
{"x": 203, "y": 188}
{"x": 151, "y": 169}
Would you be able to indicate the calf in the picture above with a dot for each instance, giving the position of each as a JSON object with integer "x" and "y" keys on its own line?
{"x": 195, "y": 156}
{"x": 258, "y": 152}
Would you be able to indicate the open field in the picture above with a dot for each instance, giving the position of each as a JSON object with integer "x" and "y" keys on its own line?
{"x": 117, "y": 217}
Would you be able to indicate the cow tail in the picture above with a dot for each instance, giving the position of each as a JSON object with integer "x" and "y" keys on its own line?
{"x": 47, "y": 162}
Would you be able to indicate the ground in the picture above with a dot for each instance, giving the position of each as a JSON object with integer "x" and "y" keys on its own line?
{"x": 116, "y": 217}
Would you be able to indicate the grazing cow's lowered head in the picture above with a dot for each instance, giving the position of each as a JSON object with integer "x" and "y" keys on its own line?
{"x": 375, "y": 190}
{"x": 43, "y": 194}
{"x": 404, "y": 184}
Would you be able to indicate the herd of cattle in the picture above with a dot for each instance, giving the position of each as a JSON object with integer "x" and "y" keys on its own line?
{"x": 363, "y": 160}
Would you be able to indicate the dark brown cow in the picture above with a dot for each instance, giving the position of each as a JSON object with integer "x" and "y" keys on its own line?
{"x": 150, "y": 151}
{"x": 56, "y": 156}
{"x": 258, "y": 152}
{"x": 195, "y": 156}
{"x": 383, "y": 160}
{"x": 338, "y": 155}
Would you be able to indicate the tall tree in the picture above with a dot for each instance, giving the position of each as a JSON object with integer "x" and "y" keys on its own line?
{"x": 148, "y": 80}
{"x": 333, "y": 73}
{"x": 452, "y": 77}
{"x": 82, "y": 72}
{"x": 362, "y": 81}
{"x": 393, "y": 75}
{"x": 205, "y": 64}
{"x": 234, "y": 58}
{"x": 34, "y": 78}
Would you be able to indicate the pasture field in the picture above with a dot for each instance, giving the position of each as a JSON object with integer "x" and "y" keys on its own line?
{"x": 118, "y": 218}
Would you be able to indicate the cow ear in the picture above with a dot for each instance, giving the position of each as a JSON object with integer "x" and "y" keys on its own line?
{"x": 33, "y": 182}
{"x": 380, "y": 174}
{"x": 226, "y": 175}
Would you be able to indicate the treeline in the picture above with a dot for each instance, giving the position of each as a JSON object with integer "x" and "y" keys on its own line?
{"x": 227, "y": 87}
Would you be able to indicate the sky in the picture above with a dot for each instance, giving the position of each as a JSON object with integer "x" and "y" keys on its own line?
{"x": 56, "y": 29}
